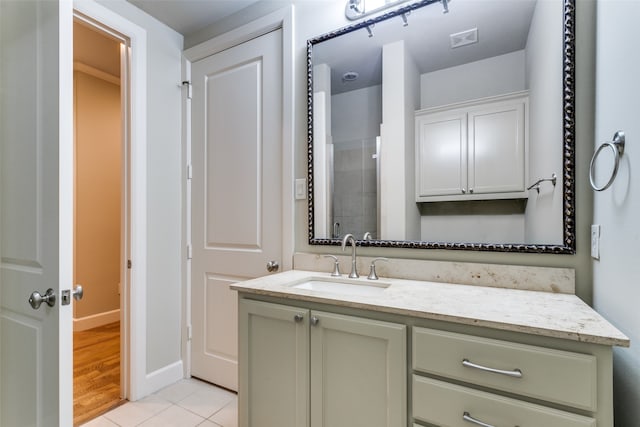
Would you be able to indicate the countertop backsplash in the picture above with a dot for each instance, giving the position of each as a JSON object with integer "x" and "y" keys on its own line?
{"x": 544, "y": 279}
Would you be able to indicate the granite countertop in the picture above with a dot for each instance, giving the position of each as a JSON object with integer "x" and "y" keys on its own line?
{"x": 538, "y": 313}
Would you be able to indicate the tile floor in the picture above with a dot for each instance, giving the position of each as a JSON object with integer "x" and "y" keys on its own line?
{"x": 187, "y": 403}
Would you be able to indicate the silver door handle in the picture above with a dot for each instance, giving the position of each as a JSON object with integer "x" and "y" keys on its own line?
{"x": 36, "y": 299}
{"x": 272, "y": 266}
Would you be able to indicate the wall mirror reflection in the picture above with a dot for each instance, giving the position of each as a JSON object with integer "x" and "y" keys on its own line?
{"x": 445, "y": 130}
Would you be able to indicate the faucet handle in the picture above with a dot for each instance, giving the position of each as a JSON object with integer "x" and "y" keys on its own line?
{"x": 336, "y": 265}
{"x": 372, "y": 273}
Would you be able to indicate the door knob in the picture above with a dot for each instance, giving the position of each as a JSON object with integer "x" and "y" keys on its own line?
{"x": 78, "y": 292}
{"x": 36, "y": 299}
{"x": 272, "y": 266}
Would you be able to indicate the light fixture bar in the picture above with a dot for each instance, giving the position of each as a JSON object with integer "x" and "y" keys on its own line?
{"x": 356, "y": 9}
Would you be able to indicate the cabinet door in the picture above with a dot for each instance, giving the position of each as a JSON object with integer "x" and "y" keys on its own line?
{"x": 441, "y": 160}
{"x": 497, "y": 148}
{"x": 274, "y": 365}
{"x": 358, "y": 372}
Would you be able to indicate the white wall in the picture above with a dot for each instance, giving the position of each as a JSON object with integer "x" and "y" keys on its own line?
{"x": 356, "y": 114}
{"x": 399, "y": 215}
{"x": 495, "y": 221}
{"x": 544, "y": 210}
{"x": 488, "y": 77}
{"x": 616, "y": 276}
{"x": 411, "y": 79}
{"x": 163, "y": 194}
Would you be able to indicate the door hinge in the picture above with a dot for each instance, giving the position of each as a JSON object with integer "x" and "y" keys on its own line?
{"x": 189, "y": 252}
{"x": 129, "y": 264}
{"x": 189, "y": 333}
{"x": 189, "y": 171}
{"x": 187, "y": 83}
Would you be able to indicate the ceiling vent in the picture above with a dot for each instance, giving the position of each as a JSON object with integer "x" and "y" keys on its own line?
{"x": 464, "y": 38}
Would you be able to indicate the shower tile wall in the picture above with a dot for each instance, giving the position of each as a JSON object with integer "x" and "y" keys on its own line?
{"x": 355, "y": 187}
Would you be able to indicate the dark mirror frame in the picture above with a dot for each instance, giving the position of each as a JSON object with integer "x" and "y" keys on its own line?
{"x": 568, "y": 122}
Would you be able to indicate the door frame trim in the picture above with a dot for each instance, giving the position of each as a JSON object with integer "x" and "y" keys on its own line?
{"x": 135, "y": 384}
{"x": 281, "y": 19}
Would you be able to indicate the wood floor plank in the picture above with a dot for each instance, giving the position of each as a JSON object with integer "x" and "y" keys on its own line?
{"x": 96, "y": 372}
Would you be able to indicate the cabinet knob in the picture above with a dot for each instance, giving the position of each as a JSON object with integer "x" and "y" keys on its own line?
{"x": 471, "y": 190}
{"x": 314, "y": 320}
{"x": 298, "y": 318}
{"x": 464, "y": 191}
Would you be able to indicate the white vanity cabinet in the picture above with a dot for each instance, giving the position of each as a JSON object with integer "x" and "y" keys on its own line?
{"x": 475, "y": 150}
{"x": 419, "y": 353}
{"x": 455, "y": 375}
{"x": 301, "y": 367}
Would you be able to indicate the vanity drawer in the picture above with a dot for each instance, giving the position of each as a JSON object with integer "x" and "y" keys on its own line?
{"x": 446, "y": 404}
{"x": 553, "y": 375}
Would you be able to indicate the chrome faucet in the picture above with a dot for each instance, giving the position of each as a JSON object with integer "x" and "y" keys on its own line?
{"x": 354, "y": 269}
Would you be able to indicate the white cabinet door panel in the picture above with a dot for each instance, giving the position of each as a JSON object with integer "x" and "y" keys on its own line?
{"x": 496, "y": 149}
{"x": 274, "y": 365}
{"x": 442, "y": 153}
{"x": 358, "y": 372}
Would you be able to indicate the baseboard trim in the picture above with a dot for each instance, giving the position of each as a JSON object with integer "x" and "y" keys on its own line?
{"x": 95, "y": 320}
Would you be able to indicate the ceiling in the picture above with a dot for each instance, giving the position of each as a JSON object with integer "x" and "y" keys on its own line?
{"x": 502, "y": 27}
{"x": 189, "y": 16}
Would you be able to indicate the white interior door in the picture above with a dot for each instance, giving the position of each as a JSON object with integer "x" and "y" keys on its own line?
{"x": 36, "y": 207}
{"x": 236, "y": 192}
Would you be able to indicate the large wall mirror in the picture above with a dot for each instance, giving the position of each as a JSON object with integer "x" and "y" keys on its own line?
{"x": 442, "y": 130}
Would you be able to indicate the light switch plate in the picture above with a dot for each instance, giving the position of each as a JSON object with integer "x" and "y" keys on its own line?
{"x": 301, "y": 189}
{"x": 595, "y": 241}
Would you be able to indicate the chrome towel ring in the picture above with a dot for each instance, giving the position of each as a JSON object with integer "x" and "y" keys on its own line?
{"x": 617, "y": 146}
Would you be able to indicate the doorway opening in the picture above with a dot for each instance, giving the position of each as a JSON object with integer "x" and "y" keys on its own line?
{"x": 101, "y": 217}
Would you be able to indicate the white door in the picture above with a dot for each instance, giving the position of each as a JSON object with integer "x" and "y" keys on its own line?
{"x": 36, "y": 208}
{"x": 236, "y": 192}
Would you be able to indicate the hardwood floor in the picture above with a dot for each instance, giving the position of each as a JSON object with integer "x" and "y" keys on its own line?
{"x": 96, "y": 372}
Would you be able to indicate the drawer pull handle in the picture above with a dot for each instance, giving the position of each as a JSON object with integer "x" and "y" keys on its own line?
{"x": 467, "y": 417}
{"x": 516, "y": 373}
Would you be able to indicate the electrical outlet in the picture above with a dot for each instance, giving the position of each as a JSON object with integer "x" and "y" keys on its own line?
{"x": 595, "y": 241}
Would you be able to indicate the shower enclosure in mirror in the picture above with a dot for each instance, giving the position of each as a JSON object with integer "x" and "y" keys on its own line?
{"x": 445, "y": 130}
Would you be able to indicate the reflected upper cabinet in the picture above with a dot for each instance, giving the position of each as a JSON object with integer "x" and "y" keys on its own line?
{"x": 473, "y": 151}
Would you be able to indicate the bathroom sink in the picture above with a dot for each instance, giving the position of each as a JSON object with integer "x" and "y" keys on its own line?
{"x": 341, "y": 286}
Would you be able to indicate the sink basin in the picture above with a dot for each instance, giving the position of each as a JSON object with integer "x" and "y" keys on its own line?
{"x": 343, "y": 287}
